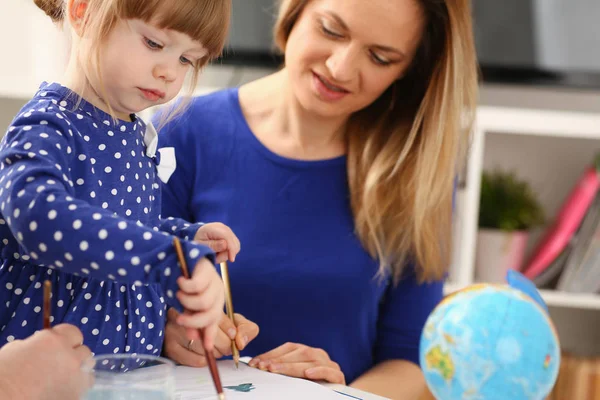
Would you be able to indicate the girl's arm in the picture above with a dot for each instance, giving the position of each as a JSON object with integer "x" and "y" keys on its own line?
{"x": 179, "y": 227}
{"x": 56, "y": 230}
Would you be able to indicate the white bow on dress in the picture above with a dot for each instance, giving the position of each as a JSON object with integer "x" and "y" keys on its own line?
{"x": 166, "y": 163}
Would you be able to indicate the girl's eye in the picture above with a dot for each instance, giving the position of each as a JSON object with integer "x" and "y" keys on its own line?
{"x": 379, "y": 60}
{"x": 152, "y": 44}
{"x": 185, "y": 61}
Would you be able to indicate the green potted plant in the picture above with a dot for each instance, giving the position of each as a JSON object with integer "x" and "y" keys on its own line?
{"x": 508, "y": 210}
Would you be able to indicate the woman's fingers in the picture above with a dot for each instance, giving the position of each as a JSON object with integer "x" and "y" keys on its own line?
{"x": 82, "y": 353}
{"x": 184, "y": 356}
{"x": 247, "y": 331}
{"x": 300, "y": 361}
{"x": 172, "y": 314}
{"x": 295, "y": 369}
{"x": 328, "y": 374}
{"x": 70, "y": 334}
{"x": 222, "y": 344}
{"x": 297, "y": 353}
{"x": 228, "y": 328}
{"x": 309, "y": 370}
{"x": 276, "y": 352}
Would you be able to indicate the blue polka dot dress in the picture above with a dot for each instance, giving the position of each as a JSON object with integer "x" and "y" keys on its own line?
{"x": 80, "y": 205}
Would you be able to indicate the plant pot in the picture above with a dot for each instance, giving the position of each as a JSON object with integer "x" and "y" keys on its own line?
{"x": 497, "y": 252}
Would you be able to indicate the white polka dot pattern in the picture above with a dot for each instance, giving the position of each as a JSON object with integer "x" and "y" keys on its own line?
{"x": 79, "y": 205}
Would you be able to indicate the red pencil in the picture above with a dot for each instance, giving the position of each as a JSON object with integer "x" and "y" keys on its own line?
{"x": 47, "y": 310}
{"x": 212, "y": 363}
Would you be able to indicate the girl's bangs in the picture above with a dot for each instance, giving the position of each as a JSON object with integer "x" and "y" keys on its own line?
{"x": 206, "y": 21}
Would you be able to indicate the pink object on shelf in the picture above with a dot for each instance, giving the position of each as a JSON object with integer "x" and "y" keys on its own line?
{"x": 567, "y": 221}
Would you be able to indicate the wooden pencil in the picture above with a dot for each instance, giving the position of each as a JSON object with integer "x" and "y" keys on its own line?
{"x": 210, "y": 357}
{"x": 229, "y": 305}
{"x": 47, "y": 310}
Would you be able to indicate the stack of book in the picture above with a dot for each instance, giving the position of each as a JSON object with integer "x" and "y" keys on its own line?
{"x": 568, "y": 257}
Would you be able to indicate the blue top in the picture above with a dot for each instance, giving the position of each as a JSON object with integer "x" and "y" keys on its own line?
{"x": 302, "y": 274}
{"x": 80, "y": 205}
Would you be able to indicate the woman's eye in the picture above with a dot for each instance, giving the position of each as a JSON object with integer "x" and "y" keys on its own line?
{"x": 330, "y": 32}
{"x": 380, "y": 60}
{"x": 152, "y": 44}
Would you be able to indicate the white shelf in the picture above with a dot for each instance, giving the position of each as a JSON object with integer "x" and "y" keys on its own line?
{"x": 553, "y": 298}
{"x": 573, "y": 300}
{"x": 543, "y": 123}
{"x": 521, "y": 121}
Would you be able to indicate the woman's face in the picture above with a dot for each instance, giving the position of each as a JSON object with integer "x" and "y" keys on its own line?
{"x": 341, "y": 55}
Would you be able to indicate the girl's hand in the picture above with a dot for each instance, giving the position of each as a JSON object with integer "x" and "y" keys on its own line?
{"x": 203, "y": 297}
{"x": 300, "y": 361}
{"x": 177, "y": 345}
{"x": 221, "y": 239}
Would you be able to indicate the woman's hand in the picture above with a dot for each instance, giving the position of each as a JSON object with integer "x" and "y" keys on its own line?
{"x": 177, "y": 345}
{"x": 300, "y": 361}
{"x": 47, "y": 365}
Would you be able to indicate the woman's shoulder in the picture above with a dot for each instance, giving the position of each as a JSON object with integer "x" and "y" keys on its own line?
{"x": 213, "y": 108}
{"x": 207, "y": 127}
{"x": 212, "y": 113}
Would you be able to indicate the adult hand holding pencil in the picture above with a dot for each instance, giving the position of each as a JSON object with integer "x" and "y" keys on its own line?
{"x": 46, "y": 365}
{"x": 229, "y": 306}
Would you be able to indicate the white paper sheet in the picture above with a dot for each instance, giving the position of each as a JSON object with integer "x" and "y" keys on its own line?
{"x": 196, "y": 384}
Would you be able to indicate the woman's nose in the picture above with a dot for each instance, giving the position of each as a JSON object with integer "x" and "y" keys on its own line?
{"x": 343, "y": 63}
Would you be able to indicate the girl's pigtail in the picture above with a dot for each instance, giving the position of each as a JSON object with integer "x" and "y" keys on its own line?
{"x": 53, "y": 8}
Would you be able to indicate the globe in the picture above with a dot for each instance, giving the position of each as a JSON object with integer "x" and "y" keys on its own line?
{"x": 488, "y": 342}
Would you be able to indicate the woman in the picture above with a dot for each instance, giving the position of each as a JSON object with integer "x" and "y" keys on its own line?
{"x": 336, "y": 173}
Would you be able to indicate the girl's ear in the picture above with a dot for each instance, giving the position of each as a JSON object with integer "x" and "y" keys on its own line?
{"x": 76, "y": 13}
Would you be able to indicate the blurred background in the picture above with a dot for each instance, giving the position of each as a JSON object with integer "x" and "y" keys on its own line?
{"x": 537, "y": 132}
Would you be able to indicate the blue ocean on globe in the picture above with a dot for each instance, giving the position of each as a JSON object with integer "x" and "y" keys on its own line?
{"x": 489, "y": 342}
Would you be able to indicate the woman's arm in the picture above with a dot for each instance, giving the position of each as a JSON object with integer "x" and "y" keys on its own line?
{"x": 395, "y": 379}
{"x": 396, "y": 373}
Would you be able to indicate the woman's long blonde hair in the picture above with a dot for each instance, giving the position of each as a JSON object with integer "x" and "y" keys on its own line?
{"x": 206, "y": 21}
{"x": 406, "y": 148}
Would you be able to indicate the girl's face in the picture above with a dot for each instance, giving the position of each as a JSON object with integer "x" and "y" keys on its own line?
{"x": 341, "y": 55}
{"x": 144, "y": 66}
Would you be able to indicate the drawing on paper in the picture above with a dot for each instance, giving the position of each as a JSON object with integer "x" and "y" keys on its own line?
{"x": 242, "y": 387}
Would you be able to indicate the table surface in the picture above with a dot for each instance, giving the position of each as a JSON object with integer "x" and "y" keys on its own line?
{"x": 353, "y": 393}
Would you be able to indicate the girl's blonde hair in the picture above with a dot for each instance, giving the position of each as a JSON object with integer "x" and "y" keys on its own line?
{"x": 206, "y": 21}
{"x": 405, "y": 149}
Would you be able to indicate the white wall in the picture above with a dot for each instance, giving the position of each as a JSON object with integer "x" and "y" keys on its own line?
{"x": 33, "y": 48}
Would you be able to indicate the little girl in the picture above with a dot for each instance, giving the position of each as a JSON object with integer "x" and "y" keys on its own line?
{"x": 79, "y": 181}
